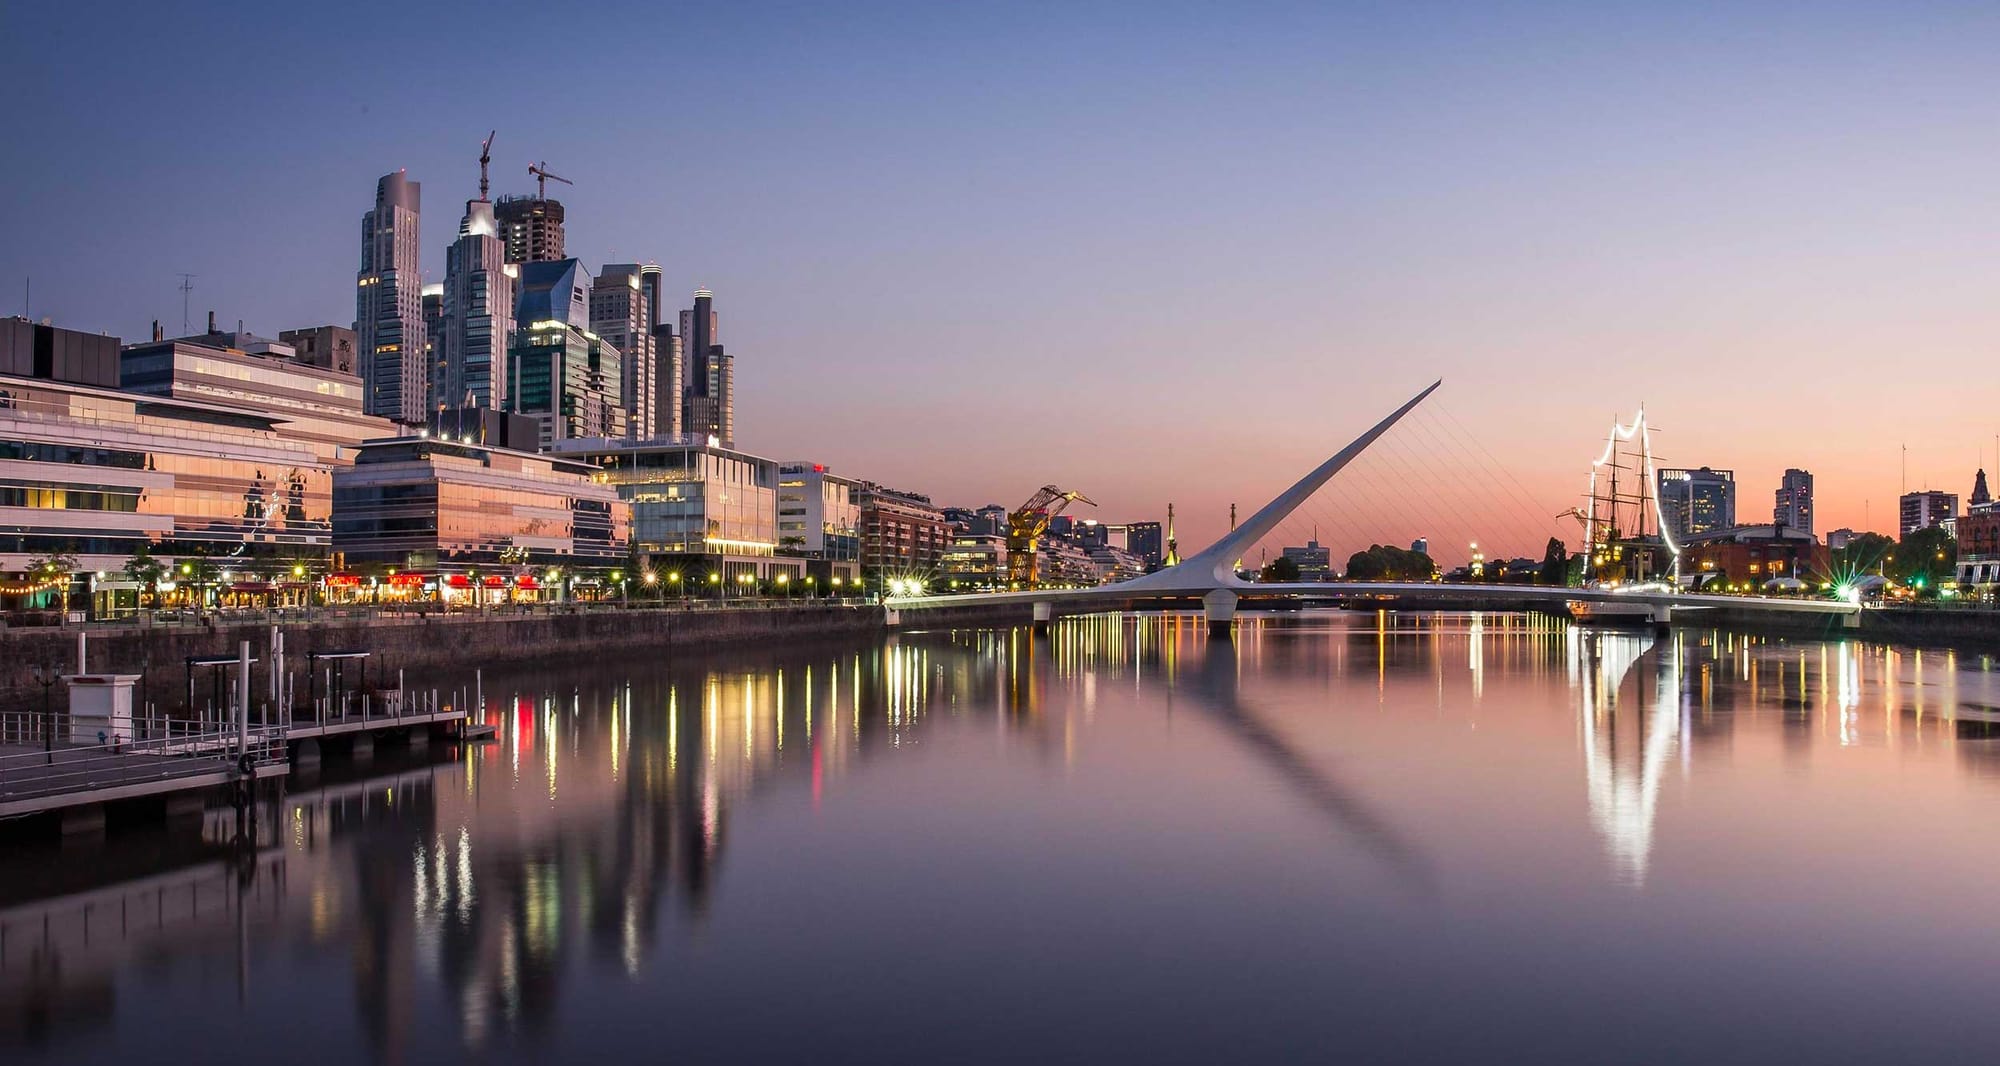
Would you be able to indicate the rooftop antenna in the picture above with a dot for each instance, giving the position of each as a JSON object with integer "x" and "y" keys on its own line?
{"x": 485, "y": 157}
{"x": 187, "y": 287}
{"x": 543, "y": 177}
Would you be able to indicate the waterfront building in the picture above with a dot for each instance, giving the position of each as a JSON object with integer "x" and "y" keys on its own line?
{"x": 561, "y": 373}
{"x": 1794, "y": 506}
{"x": 101, "y": 474}
{"x": 1752, "y": 555}
{"x": 902, "y": 534}
{"x": 974, "y": 562}
{"x": 1315, "y": 562}
{"x": 1060, "y": 563}
{"x": 620, "y": 313}
{"x": 531, "y": 227}
{"x": 479, "y": 314}
{"x": 465, "y": 521}
{"x": 1697, "y": 501}
{"x": 1115, "y": 564}
{"x": 331, "y": 347}
{"x": 697, "y": 509}
{"x": 1978, "y": 535}
{"x": 33, "y": 350}
{"x": 710, "y": 408}
{"x": 317, "y": 405}
{"x": 388, "y": 304}
{"x": 1926, "y": 508}
{"x": 1143, "y": 540}
{"x": 819, "y": 519}
{"x": 1839, "y": 538}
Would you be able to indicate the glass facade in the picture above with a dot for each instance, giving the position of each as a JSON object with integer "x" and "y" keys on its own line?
{"x": 693, "y": 500}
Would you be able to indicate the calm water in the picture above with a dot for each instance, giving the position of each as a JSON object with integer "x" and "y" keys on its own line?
{"x": 1421, "y": 839}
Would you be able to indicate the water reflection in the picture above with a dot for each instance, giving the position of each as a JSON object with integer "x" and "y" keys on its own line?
{"x": 482, "y": 898}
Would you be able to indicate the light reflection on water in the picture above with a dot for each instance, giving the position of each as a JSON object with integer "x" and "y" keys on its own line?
{"x": 1121, "y": 841}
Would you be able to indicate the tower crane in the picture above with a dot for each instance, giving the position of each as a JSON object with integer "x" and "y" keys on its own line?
{"x": 542, "y": 179}
{"x": 1025, "y": 526}
{"x": 485, "y": 157}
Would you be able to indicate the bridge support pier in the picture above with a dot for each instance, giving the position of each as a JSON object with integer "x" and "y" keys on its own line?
{"x": 1045, "y": 612}
{"x": 1661, "y": 616}
{"x": 1219, "y": 606}
{"x": 1851, "y": 620}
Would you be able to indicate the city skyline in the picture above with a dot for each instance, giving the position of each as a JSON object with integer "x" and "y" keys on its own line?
{"x": 866, "y": 235}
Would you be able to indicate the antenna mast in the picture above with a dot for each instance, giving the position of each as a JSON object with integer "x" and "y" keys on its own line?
{"x": 485, "y": 157}
{"x": 186, "y": 287}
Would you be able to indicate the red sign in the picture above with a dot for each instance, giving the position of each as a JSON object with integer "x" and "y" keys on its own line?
{"x": 407, "y": 581}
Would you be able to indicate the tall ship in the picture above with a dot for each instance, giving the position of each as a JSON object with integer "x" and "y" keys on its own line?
{"x": 1624, "y": 543}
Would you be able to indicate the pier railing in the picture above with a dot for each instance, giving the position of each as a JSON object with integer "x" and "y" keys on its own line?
{"x": 72, "y": 768}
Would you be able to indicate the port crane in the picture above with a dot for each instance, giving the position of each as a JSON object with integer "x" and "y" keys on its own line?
{"x": 1025, "y": 526}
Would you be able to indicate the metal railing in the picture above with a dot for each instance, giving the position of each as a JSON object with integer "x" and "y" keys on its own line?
{"x": 72, "y": 768}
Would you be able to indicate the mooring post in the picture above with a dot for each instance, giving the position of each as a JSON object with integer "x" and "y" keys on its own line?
{"x": 242, "y": 696}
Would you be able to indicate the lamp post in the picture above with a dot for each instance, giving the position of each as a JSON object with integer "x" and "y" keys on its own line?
{"x": 836, "y": 586}
{"x": 716, "y": 580}
{"x": 46, "y": 675}
{"x": 652, "y": 583}
{"x": 785, "y": 586}
{"x": 674, "y": 579}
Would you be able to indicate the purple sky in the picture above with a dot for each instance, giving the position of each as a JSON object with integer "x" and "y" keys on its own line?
{"x": 1153, "y": 251}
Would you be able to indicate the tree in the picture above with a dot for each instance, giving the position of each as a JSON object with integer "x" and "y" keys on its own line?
{"x": 1280, "y": 569}
{"x": 56, "y": 569}
{"x": 1924, "y": 558}
{"x": 1555, "y": 563}
{"x": 1867, "y": 553}
{"x": 1382, "y": 562}
{"x": 145, "y": 570}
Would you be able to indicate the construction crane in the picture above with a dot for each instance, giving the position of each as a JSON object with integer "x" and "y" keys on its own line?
{"x": 542, "y": 179}
{"x": 485, "y": 157}
{"x": 1025, "y": 527}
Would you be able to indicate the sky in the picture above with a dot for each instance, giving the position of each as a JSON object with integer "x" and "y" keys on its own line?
{"x": 1153, "y": 252}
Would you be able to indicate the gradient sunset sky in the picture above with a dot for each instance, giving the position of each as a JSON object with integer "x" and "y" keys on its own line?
{"x": 1150, "y": 251}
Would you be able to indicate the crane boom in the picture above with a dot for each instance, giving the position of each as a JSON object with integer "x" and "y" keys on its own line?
{"x": 1025, "y": 526}
{"x": 543, "y": 177}
{"x": 485, "y": 157}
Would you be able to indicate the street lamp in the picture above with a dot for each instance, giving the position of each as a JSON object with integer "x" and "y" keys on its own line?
{"x": 46, "y": 675}
{"x": 785, "y": 583}
{"x": 716, "y": 580}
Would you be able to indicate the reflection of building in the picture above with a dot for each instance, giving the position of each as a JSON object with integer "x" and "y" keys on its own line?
{"x": 425, "y": 504}
{"x": 1697, "y": 501}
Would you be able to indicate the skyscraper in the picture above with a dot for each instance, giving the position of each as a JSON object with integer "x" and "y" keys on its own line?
{"x": 1921, "y": 510}
{"x": 711, "y": 408}
{"x": 388, "y": 304}
{"x": 1697, "y": 501}
{"x": 1795, "y": 501}
{"x": 433, "y": 340}
{"x": 479, "y": 313}
{"x": 532, "y": 227}
{"x": 561, "y": 373}
{"x": 621, "y": 313}
{"x": 669, "y": 381}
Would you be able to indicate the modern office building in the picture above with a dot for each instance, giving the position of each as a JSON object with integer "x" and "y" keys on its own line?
{"x": 710, "y": 409}
{"x": 1143, "y": 540}
{"x": 697, "y": 510}
{"x": 433, "y": 344}
{"x": 479, "y": 314}
{"x": 316, "y": 405}
{"x": 469, "y": 517}
{"x": 902, "y": 535}
{"x": 101, "y": 473}
{"x": 974, "y": 562}
{"x": 1926, "y": 508}
{"x": 32, "y": 350}
{"x": 819, "y": 519}
{"x": 1696, "y": 501}
{"x": 388, "y": 304}
{"x": 621, "y": 314}
{"x": 531, "y": 227}
{"x": 1314, "y": 560}
{"x": 1795, "y": 500}
{"x": 331, "y": 347}
{"x": 559, "y": 371}
{"x": 669, "y": 380}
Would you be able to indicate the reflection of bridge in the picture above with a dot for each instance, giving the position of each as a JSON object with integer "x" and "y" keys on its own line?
{"x": 1211, "y": 574}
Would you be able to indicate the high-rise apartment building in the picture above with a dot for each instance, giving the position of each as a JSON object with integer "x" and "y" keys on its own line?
{"x": 1697, "y": 501}
{"x": 532, "y": 227}
{"x": 331, "y": 347}
{"x": 433, "y": 345}
{"x": 560, "y": 372}
{"x": 621, "y": 313}
{"x": 1795, "y": 501}
{"x": 710, "y": 409}
{"x": 388, "y": 304}
{"x": 1926, "y": 508}
{"x": 669, "y": 381}
{"x": 479, "y": 313}
{"x": 1143, "y": 540}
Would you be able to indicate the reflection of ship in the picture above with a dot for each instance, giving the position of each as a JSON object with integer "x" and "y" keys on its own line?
{"x": 1623, "y": 773}
{"x": 1618, "y": 549}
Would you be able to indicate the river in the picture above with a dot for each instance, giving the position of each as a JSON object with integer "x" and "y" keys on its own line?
{"x": 1339, "y": 836}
